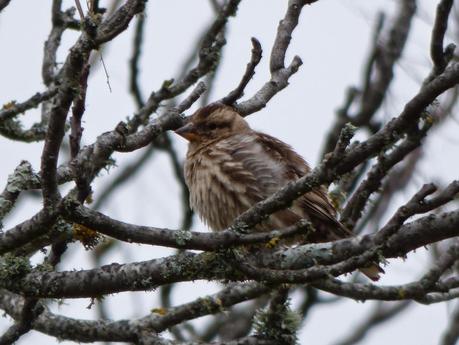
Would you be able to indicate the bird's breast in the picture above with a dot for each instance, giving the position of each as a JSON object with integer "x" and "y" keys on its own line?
{"x": 216, "y": 195}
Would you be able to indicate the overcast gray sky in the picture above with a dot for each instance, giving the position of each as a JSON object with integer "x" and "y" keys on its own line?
{"x": 332, "y": 40}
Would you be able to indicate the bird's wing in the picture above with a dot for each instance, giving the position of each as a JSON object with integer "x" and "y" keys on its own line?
{"x": 252, "y": 170}
{"x": 314, "y": 205}
{"x": 247, "y": 168}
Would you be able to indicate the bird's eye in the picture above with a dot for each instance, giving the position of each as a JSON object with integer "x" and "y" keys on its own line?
{"x": 212, "y": 126}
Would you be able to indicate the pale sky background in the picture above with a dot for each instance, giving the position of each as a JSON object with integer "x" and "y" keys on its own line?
{"x": 332, "y": 40}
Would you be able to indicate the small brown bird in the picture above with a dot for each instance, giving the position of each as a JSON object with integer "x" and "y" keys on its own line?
{"x": 229, "y": 167}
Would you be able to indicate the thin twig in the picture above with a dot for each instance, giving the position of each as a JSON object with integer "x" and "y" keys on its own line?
{"x": 238, "y": 92}
{"x": 12, "y": 109}
{"x": 441, "y": 57}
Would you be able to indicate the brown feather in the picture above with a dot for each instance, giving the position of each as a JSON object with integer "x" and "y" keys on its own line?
{"x": 229, "y": 167}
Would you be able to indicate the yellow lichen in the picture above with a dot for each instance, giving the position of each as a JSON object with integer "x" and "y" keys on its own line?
{"x": 272, "y": 242}
{"x": 88, "y": 237}
{"x": 159, "y": 311}
{"x": 89, "y": 199}
{"x": 401, "y": 293}
{"x": 9, "y": 105}
{"x": 429, "y": 119}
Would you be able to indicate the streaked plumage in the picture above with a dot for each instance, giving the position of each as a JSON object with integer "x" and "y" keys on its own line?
{"x": 229, "y": 167}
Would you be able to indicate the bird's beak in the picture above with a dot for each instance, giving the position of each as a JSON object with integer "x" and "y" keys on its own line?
{"x": 188, "y": 131}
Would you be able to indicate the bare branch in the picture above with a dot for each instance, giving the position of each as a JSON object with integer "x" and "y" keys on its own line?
{"x": 30, "y": 311}
{"x": 451, "y": 334}
{"x": 60, "y": 22}
{"x": 172, "y": 238}
{"x": 168, "y": 121}
{"x": 237, "y": 254}
{"x": 3, "y": 4}
{"x": 238, "y": 92}
{"x": 233, "y": 294}
{"x": 190, "y": 266}
{"x": 380, "y": 314}
{"x": 127, "y": 172}
{"x": 21, "y": 179}
{"x": 209, "y": 53}
{"x": 12, "y": 109}
{"x": 26, "y": 231}
{"x": 372, "y": 183}
{"x": 119, "y": 21}
{"x": 413, "y": 290}
{"x": 134, "y": 62}
{"x": 439, "y": 56}
{"x": 88, "y": 331}
{"x": 379, "y": 70}
{"x": 279, "y": 73}
{"x": 78, "y": 110}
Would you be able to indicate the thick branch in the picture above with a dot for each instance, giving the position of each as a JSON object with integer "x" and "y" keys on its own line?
{"x": 123, "y": 330}
{"x": 189, "y": 266}
{"x": 181, "y": 239}
{"x": 119, "y": 21}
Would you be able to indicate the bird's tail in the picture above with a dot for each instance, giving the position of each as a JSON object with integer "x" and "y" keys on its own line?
{"x": 372, "y": 271}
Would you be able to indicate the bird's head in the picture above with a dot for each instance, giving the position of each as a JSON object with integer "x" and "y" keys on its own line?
{"x": 212, "y": 122}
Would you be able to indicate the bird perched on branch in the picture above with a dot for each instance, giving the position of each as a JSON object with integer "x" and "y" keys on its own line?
{"x": 230, "y": 167}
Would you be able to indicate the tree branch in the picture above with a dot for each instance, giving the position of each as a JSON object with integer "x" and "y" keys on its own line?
{"x": 12, "y": 109}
